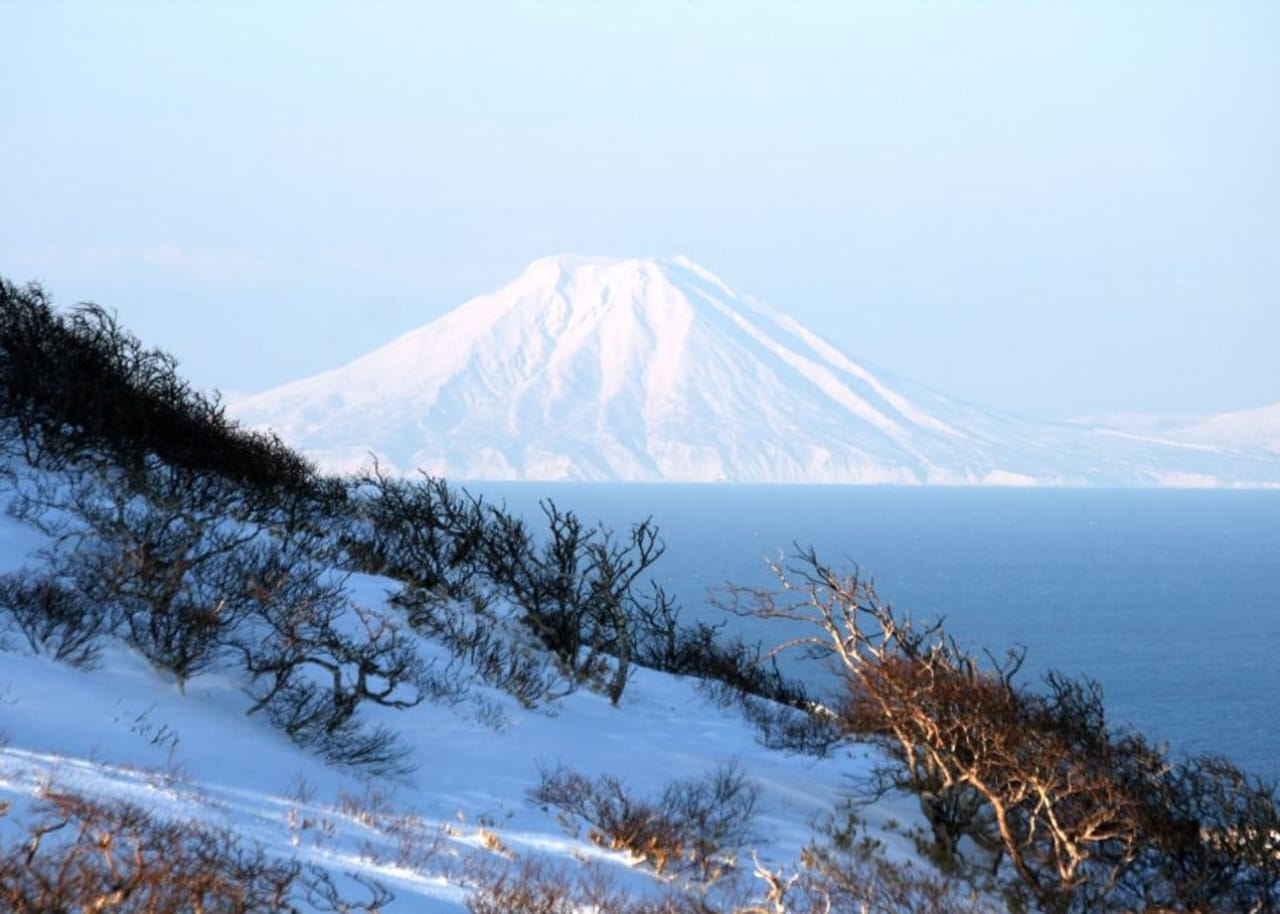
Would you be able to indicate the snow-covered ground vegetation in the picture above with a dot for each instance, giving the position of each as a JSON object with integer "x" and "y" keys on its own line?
{"x": 231, "y": 684}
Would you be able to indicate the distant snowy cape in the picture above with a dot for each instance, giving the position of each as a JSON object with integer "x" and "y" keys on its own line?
{"x": 592, "y": 368}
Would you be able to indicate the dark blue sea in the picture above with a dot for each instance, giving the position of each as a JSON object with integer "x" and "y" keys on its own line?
{"x": 1168, "y": 598}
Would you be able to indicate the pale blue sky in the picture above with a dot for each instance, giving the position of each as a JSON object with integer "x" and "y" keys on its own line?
{"x": 1057, "y": 209}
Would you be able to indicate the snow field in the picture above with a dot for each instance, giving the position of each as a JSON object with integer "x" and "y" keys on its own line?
{"x": 123, "y": 731}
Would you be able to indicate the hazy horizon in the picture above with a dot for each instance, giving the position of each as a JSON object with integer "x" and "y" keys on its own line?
{"x": 1057, "y": 211}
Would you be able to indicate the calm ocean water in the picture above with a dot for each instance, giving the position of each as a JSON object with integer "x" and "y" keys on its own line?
{"x": 1170, "y": 599}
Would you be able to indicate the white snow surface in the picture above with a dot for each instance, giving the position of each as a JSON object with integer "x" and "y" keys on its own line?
{"x": 632, "y": 369}
{"x": 1247, "y": 428}
{"x": 124, "y": 731}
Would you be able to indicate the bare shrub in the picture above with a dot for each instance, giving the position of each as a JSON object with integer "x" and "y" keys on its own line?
{"x": 406, "y": 840}
{"x": 314, "y": 657}
{"x": 858, "y": 881}
{"x": 746, "y": 677}
{"x": 154, "y": 548}
{"x": 857, "y": 878}
{"x": 693, "y": 827}
{"x": 419, "y": 531}
{"x": 56, "y": 620}
{"x": 578, "y": 587}
{"x": 699, "y": 650}
{"x": 535, "y": 887}
{"x": 529, "y": 888}
{"x": 810, "y": 731}
{"x": 83, "y": 855}
{"x": 579, "y": 591}
{"x": 1214, "y": 841}
{"x": 861, "y": 633}
{"x": 1087, "y": 818}
{"x": 502, "y": 656}
{"x": 323, "y": 895}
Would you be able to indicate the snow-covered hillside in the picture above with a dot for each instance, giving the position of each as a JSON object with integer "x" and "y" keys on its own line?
{"x": 444, "y": 726}
{"x": 123, "y": 732}
{"x": 655, "y": 369}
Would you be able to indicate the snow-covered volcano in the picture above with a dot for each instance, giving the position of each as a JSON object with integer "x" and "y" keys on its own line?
{"x": 655, "y": 369}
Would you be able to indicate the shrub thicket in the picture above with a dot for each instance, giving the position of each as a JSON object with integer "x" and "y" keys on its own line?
{"x": 314, "y": 658}
{"x": 193, "y": 540}
{"x": 55, "y": 619}
{"x": 85, "y": 854}
{"x": 578, "y": 589}
{"x": 419, "y": 531}
{"x": 157, "y": 550}
{"x": 1085, "y": 817}
{"x": 695, "y": 826}
{"x": 79, "y": 383}
{"x": 851, "y": 881}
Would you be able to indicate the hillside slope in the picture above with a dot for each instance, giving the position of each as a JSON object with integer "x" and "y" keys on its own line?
{"x": 124, "y": 732}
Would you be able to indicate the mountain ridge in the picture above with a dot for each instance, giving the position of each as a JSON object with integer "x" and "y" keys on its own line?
{"x": 656, "y": 369}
